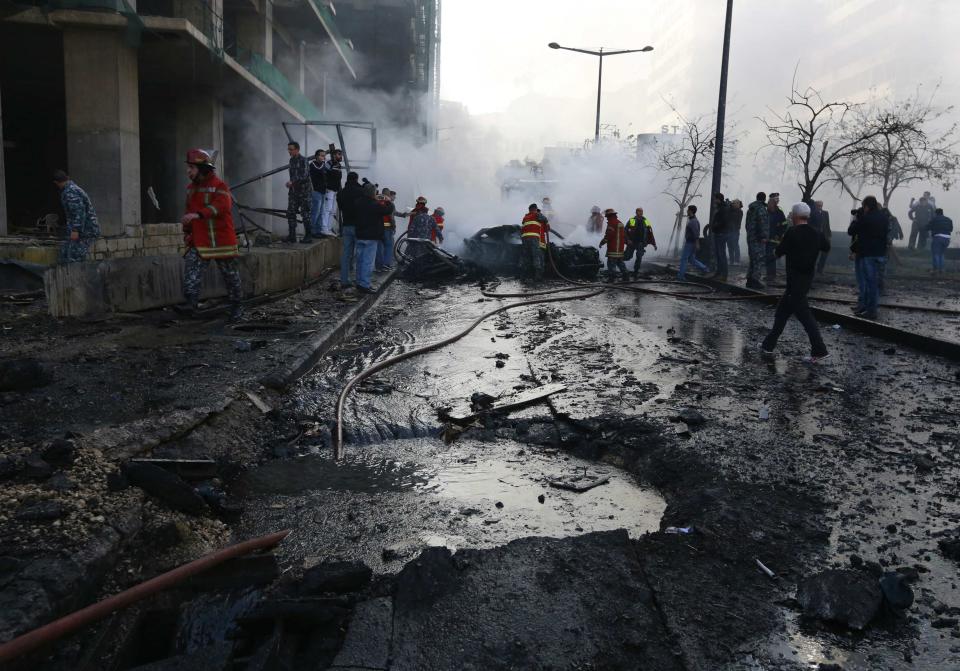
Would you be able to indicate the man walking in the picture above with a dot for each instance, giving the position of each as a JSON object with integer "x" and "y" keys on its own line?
{"x": 691, "y": 242}
{"x": 777, "y": 225}
{"x": 616, "y": 241}
{"x": 757, "y": 227}
{"x": 299, "y": 193}
{"x": 869, "y": 228}
{"x": 734, "y": 226}
{"x": 921, "y": 212}
{"x": 82, "y": 226}
{"x": 940, "y": 228}
{"x": 801, "y": 244}
{"x": 531, "y": 229}
{"x": 719, "y": 227}
{"x": 639, "y": 234}
{"x": 209, "y": 233}
{"x": 348, "y": 200}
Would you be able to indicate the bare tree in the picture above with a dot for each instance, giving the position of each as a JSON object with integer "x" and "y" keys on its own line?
{"x": 818, "y": 138}
{"x": 687, "y": 161}
{"x": 908, "y": 141}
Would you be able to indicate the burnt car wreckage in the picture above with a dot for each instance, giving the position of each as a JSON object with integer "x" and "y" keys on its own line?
{"x": 494, "y": 250}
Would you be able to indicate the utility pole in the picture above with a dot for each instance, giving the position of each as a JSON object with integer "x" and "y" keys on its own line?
{"x": 721, "y": 111}
{"x": 596, "y": 132}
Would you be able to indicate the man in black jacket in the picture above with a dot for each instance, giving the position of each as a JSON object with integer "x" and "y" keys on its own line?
{"x": 869, "y": 229}
{"x": 801, "y": 244}
{"x": 334, "y": 178}
{"x": 347, "y": 200}
{"x": 719, "y": 227}
{"x": 369, "y": 221}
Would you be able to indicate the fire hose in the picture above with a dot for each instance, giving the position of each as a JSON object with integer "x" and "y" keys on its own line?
{"x": 597, "y": 289}
{"x": 69, "y": 623}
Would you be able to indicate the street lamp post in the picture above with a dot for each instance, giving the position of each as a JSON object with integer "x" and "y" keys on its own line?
{"x": 721, "y": 111}
{"x": 600, "y": 54}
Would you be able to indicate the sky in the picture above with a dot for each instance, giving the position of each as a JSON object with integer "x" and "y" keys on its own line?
{"x": 495, "y": 61}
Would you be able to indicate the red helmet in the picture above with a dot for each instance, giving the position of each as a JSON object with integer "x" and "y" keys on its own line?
{"x": 202, "y": 157}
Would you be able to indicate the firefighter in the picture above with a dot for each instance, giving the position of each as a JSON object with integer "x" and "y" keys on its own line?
{"x": 639, "y": 232}
{"x": 547, "y": 209}
{"x": 544, "y": 232}
{"x": 208, "y": 232}
{"x": 595, "y": 222}
{"x": 615, "y": 239}
{"x": 422, "y": 229}
{"x": 437, "y": 217}
{"x": 531, "y": 229}
{"x": 384, "y": 260}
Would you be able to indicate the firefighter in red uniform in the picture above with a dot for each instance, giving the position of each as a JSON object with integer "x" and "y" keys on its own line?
{"x": 531, "y": 256}
{"x": 208, "y": 232}
{"x": 544, "y": 231}
{"x": 615, "y": 239}
{"x": 437, "y": 217}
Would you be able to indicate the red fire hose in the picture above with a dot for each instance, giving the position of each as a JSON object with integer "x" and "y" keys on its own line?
{"x": 69, "y": 623}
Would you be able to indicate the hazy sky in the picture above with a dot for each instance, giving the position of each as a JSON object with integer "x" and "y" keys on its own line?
{"x": 496, "y": 51}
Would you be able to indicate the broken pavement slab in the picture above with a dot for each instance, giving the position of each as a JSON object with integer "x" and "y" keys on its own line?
{"x": 534, "y": 603}
{"x": 369, "y": 636}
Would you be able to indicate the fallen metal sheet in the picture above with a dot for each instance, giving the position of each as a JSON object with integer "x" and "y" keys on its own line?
{"x": 512, "y": 401}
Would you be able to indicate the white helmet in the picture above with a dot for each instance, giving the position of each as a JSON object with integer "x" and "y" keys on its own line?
{"x": 595, "y": 209}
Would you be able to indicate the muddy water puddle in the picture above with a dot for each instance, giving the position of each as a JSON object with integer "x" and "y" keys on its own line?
{"x": 386, "y": 502}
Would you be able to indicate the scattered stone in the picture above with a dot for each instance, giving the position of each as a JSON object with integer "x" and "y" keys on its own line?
{"x": 242, "y": 346}
{"x": 690, "y": 417}
{"x": 170, "y": 534}
{"x": 541, "y": 498}
{"x": 845, "y": 596}
{"x": 910, "y": 573}
{"x": 23, "y": 374}
{"x": 924, "y": 462}
{"x": 896, "y": 591}
{"x": 950, "y": 548}
{"x": 499, "y": 504}
{"x": 480, "y": 400}
{"x": 9, "y": 467}
{"x": 35, "y": 468}
{"x": 338, "y": 577}
{"x": 944, "y": 623}
{"x": 166, "y": 486}
{"x": 61, "y": 453}
{"x": 41, "y": 511}
{"x": 59, "y": 482}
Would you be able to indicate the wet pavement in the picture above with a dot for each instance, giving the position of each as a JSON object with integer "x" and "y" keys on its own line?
{"x": 835, "y": 463}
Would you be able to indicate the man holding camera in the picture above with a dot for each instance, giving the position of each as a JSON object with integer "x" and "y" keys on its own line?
{"x": 869, "y": 230}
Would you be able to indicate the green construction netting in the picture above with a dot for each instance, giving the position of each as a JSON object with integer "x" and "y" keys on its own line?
{"x": 122, "y": 7}
{"x": 268, "y": 73}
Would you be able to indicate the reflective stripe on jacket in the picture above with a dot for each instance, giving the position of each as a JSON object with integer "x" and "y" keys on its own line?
{"x": 530, "y": 227}
{"x": 615, "y": 239}
{"x": 213, "y": 234}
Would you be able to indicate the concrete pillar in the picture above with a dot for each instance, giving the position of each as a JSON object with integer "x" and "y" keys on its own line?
{"x": 103, "y": 123}
{"x": 3, "y": 180}
{"x": 255, "y": 31}
{"x": 200, "y": 124}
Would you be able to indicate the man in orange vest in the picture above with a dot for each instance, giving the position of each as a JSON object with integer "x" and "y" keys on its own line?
{"x": 615, "y": 239}
{"x": 208, "y": 232}
{"x": 531, "y": 256}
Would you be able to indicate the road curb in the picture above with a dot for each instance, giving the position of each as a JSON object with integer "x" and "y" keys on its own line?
{"x": 924, "y": 343}
{"x": 304, "y": 356}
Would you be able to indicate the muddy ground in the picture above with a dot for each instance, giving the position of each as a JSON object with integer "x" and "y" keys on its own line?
{"x": 479, "y": 559}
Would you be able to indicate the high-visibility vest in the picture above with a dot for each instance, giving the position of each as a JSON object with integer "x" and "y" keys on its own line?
{"x": 531, "y": 227}
{"x": 615, "y": 238}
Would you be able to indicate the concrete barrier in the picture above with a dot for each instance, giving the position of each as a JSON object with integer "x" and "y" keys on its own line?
{"x": 149, "y": 282}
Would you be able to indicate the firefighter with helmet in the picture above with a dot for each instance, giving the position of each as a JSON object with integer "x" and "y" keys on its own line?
{"x": 209, "y": 233}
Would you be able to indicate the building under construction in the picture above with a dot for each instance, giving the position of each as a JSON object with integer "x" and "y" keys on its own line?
{"x": 116, "y": 91}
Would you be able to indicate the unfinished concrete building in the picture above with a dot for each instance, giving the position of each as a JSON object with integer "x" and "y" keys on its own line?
{"x": 115, "y": 91}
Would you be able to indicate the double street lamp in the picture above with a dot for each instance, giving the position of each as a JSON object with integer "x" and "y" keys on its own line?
{"x": 601, "y": 53}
